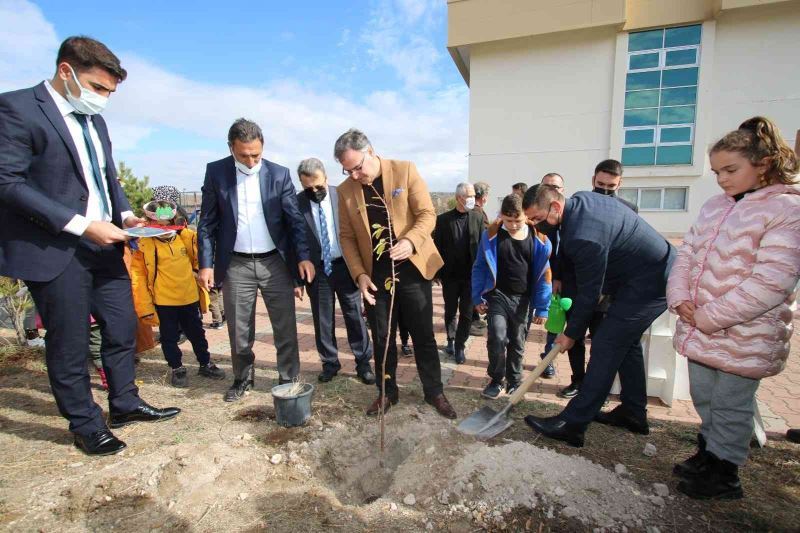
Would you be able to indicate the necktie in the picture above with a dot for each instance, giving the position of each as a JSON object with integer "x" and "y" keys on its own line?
{"x": 98, "y": 177}
{"x": 325, "y": 241}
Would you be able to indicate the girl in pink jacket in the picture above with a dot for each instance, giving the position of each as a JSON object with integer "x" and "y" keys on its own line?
{"x": 732, "y": 285}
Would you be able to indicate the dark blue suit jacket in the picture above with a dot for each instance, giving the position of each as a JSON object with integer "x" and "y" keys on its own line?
{"x": 314, "y": 245}
{"x": 42, "y": 185}
{"x": 614, "y": 252}
{"x": 216, "y": 233}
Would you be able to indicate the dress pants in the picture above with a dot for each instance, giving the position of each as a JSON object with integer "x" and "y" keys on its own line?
{"x": 616, "y": 347}
{"x": 323, "y": 292}
{"x": 577, "y": 354}
{"x": 95, "y": 282}
{"x": 413, "y": 298}
{"x": 243, "y": 280}
{"x": 457, "y": 297}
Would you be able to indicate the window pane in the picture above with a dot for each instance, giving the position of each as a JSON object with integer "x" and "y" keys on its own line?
{"x": 679, "y": 96}
{"x": 678, "y": 77}
{"x": 640, "y": 117}
{"x": 675, "y": 135}
{"x": 645, "y": 40}
{"x": 629, "y": 194}
{"x": 682, "y": 36}
{"x": 644, "y": 61}
{"x": 641, "y": 99}
{"x": 639, "y": 136}
{"x": 675, "y": 198}
{"x": 675, "y": 115}
{"x": 643, "y": 80}
{"x": 687, "y": 56}
{"x": 638, "y": 156}
{"x": 675, "y": 155}
{"x": 651, "y": 199}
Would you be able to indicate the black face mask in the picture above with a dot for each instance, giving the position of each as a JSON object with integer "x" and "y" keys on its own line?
{"x": 316, "y": 195}
{"x": 545, "y": 227}
{"x": 604, "y": 192}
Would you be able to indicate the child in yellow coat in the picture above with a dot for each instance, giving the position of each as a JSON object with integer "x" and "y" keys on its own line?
{"x": 165, "y": 290}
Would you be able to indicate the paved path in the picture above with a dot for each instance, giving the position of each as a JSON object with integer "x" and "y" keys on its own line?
{"x": 779, "y": 396}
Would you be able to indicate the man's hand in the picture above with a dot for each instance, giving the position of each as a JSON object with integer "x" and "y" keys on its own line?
{"x": 402, "y": 249}
{"x": 556, "y": 286}
{"x": 366, "y": 288}
{"x": 206, "y": 278}
{"x": 104, "y": 233}
{"x": 298, "y": 293}
{"x": 307, "y": 271}
{"x": 565, "y": 342}
{"x": 133, "y": 222}
{"x": 481, "y": 308}
{"x": 686, "y": 311}
{"x": 539, "y": 320}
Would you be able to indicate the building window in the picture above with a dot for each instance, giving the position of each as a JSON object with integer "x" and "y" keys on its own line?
{"x": 655, "y": 198}
{"x": 661, "y": 96}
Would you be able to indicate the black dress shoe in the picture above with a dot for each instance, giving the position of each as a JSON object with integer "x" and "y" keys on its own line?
{"x": 367, "y": 377}
{"x": 143, "y": 413}
{"x": 324, "y": 376}
{"x": 460, "y": 356}
{"x": 101, "y": 442}
{"x": 238, "y": 390}
{"x": 620, "y": 416}
{"x": 555, "y": 428}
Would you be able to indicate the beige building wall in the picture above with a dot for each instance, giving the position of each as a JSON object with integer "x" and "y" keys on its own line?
{"x": 551, "y": 102}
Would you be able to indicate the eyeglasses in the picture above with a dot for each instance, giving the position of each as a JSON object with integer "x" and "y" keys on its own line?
{"x": 356, "y": 168}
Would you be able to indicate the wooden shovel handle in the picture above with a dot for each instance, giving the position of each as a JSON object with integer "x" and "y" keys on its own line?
{"x": 518, "y": 394}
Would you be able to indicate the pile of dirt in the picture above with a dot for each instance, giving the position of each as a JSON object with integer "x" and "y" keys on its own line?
{"x": 431, "y": 468}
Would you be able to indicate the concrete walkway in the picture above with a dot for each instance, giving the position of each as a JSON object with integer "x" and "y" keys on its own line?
{"x": 779, "y": 396}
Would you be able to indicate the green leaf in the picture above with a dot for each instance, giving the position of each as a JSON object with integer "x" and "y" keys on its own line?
{"x": 376, "y": 226}
{"x": 380, "y": 248}
{"x": 378, "y": 232}
{"x": 388, "y": 284}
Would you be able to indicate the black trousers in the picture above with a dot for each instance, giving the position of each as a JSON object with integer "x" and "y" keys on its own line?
{"x": 457, "y": 297}
{"x": 413, "y": 298}
{"x": 186, "y": 318}
{"x": 616, "y": 347}
{"x": 323, "y": 292}
{"x": 508, "y": 327}
{"x": 95, "y": 282}
{"x": 577, "y": 354}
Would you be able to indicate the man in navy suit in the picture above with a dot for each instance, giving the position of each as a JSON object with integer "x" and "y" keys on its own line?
{"x": 252, "y": 237}
{"x": 61, "y": 231}
{"x": 615, "y": 253}
{"x": 319, "y": 203}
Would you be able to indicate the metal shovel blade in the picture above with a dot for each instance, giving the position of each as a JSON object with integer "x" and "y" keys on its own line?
{"x": 485, "y": 423}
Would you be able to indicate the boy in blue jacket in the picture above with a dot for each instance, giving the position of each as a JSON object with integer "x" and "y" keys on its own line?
{"x": 511, "y": 275}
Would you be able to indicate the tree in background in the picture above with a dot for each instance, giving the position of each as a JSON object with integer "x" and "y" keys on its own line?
{"x": 15, "y": 301}
{"x": 137, "y": 190}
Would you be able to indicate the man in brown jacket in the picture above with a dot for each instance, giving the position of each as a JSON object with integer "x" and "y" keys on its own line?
{"x": 386, "y": 219}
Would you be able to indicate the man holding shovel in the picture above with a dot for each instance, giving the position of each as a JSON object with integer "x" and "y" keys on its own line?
{"x": 616, "y": 253}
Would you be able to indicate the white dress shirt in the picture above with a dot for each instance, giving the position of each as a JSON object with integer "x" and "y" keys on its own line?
{"x": 325, "y": 209}
{"x": 94, "y": 206}
{"x": 252, "y": 233}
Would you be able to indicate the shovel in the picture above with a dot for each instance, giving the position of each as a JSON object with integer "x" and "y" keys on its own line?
{"x": 486, "y": 423}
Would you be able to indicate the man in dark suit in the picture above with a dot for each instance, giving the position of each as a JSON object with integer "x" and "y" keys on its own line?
{"x": 61, "y": 232}
{"x": 616, "y": 253}
{"x": 253, "y": 237}
{"x": 319, "y": 204}
{"x": 456, "y": 236}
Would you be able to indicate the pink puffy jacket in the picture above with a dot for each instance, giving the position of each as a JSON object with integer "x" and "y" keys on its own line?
{"x": 739, "y": 264}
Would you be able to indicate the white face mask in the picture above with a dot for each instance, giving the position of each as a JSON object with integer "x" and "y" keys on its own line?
{"x": 244, "y": 169}
{"x": 470, "y": 203}
{"x": 88, "y": 103}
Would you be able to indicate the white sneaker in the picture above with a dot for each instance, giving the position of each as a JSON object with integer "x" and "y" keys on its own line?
{"x": 38, "y": 342}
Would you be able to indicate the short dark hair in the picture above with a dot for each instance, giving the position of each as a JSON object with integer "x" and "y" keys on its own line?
{"x": 609, "y": 166}
{"x": 244, "y": 130}
{"x": 511, "y": 206}
{"x": 542, "y": 196}
{"x": 521, "y": 187}
{"x": 84, "y": 53}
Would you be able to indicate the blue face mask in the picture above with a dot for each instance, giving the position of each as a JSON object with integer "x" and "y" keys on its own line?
{"x": 88, "y": 103}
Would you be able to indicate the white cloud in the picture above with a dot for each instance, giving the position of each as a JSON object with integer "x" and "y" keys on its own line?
{"x": 345, "y": 38}
{"x": 299, "y": 119}
{"x": 28, "y": 45}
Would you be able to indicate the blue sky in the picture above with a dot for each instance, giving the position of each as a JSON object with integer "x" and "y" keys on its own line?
{"x": 306, "y": 71}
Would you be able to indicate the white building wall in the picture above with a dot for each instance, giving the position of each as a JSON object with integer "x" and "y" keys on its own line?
{"x": 543, "y": 103}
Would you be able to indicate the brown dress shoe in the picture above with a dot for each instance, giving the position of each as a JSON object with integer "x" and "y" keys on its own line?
{"x": 441, "y": 405}
{"x": 375, "y": 406}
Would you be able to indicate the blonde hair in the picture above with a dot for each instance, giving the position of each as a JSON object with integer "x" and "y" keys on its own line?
{"x": 757, "y": 138}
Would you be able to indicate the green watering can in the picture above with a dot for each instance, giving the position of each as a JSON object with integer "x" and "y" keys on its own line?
{"x": 557, "y": 314}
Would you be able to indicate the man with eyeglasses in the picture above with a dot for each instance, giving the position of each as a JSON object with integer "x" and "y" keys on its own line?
{"x": 386, "y": 219}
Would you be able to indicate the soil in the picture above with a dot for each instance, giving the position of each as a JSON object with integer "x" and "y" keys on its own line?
{"x": 230, "y": 466}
